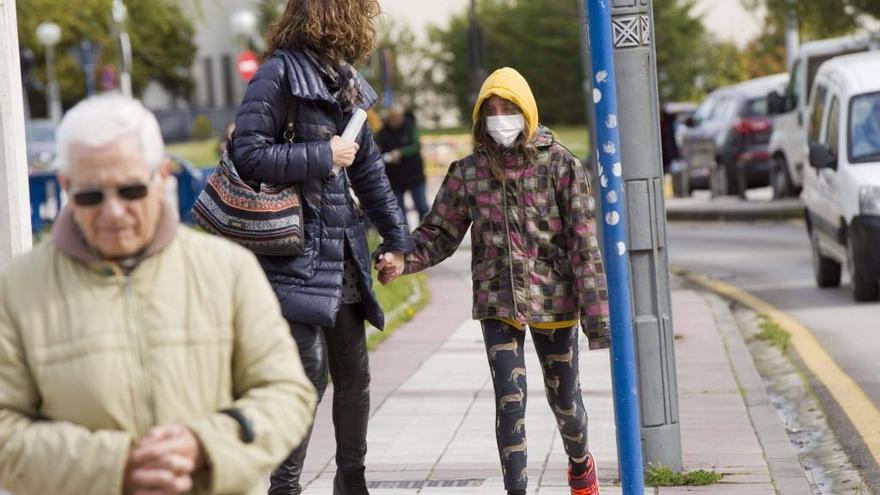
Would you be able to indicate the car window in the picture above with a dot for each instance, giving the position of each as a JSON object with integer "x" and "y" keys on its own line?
{"x": 704, "y": 111}
{"x": 729, "y": 110}
{"x": 864, "y": 128}
{"x": 756, "y": 107}
{"x": 832, "y": 135}
{"x": 816, "y": 114}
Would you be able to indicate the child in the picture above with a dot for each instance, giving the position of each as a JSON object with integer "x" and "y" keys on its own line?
{"x": 535, "y": 263}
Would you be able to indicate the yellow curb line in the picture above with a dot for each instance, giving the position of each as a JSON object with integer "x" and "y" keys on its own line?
{"x": 861, "y": 412}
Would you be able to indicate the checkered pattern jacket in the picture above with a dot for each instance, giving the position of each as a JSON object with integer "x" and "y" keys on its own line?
{"x": 535, "y": 254}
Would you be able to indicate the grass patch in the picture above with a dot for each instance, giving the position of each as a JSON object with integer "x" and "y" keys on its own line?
{"x": 773, "y": 333}
{"x": 201, "y": 153}
{"x": 395, "y": 302}
{"x": 657, "y": 475}
{"x": 395, "y": 298}
{"x": 445, "y": 131}
{"x": 575, "y": 138}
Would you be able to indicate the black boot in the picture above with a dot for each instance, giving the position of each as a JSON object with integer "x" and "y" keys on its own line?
{"x": 285, "y": 479}
{"x": 313, "y": 354}
{"x": 350, "y": 483}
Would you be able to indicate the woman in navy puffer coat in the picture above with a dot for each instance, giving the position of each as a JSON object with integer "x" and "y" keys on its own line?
{"x": 325, "y": 293}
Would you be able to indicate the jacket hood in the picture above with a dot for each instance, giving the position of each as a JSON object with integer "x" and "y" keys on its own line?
{"x": 509, "y": 84}
{"x": 69, "y": 240}
{"x": 306, "y": 82}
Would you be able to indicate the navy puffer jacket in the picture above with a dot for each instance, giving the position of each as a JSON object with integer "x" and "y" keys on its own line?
{"x": 309, "y": 286}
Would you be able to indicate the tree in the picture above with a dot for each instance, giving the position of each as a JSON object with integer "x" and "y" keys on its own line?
{"x": 867, "y": 7}
{"x": 765, "y": 54}
{"x": 817, "y": 19}
{"x": 416, "y": 80}
{"x": 689, "y": 61}
{"x": 267, "y": 12}
{"x": 540, "y": 38}
{"x": 161, "y": 38}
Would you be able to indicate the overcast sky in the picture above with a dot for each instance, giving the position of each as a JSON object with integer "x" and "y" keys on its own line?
{"x": 727, "y": 18}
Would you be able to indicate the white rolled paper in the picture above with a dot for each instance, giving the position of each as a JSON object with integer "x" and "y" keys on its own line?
{"x": 353, "y": 129}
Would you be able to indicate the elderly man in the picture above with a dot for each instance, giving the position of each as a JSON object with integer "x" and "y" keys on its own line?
{"x": 138, "y": 357}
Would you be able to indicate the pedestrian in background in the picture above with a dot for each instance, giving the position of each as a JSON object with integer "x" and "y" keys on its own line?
{"x": 137, "y": 356}
{"x": 402, "y": 153}
{"x": 536, "y": 263}
{"x": 326, "y": 293}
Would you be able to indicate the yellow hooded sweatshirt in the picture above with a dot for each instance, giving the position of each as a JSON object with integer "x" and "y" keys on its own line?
{"x": 509, "y": 84}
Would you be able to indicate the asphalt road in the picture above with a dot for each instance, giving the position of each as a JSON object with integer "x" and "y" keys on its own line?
{"x": 771, "y": 260}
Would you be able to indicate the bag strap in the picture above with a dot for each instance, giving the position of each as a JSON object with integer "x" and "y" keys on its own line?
{"x": 292, "y": 115}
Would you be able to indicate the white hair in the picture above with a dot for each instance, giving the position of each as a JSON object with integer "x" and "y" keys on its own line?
{"x": 101, "y": 120}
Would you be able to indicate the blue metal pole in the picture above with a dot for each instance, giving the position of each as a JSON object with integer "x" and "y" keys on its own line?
{"x": 626, "y": 401}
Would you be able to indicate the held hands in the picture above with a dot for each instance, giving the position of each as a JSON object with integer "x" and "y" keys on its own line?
{"x": 390, "y": 266}
{"x": 344, "y": 151}
{"x": 163, "y": 462}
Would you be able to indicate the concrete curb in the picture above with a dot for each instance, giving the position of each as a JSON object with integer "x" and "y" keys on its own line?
{"x": 732, "y": 210}
{"x": 785, "y": 469}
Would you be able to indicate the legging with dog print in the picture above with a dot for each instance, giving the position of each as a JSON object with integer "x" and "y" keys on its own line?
{"x": 558, "y": 352}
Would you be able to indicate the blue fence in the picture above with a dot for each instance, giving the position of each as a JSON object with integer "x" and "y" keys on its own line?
{"x": 47, "y": 200}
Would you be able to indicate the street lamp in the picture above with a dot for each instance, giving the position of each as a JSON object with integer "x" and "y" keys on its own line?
{"x": 244, "y": 24}
{"x": 120, "y": 15}
{"x": 49, "y": 34}
{"x": 476, "y": 52}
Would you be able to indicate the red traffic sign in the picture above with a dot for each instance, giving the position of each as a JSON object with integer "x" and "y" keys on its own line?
{"x": 247, "y": 65}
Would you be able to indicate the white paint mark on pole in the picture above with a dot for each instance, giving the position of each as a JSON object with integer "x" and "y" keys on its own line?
{"x": 612, "y": 218}
{"x": 609, "y": 148}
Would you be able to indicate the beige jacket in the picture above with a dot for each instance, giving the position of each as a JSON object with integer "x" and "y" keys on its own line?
{"x": 90, "y": 358}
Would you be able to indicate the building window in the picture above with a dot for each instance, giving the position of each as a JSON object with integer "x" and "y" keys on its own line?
{"x": 210, "y": 94}
{"x": 228, "y": 80}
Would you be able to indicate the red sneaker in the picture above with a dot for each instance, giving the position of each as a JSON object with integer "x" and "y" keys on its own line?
{"x": 587, "y": 483}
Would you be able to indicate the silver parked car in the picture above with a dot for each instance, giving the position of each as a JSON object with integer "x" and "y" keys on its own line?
{"x": 40, "y": 142}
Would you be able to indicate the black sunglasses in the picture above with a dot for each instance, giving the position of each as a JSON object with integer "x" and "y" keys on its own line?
{"x": 96, "y": 196}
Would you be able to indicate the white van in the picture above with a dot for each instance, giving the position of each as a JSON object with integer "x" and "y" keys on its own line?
{"x": 788, "y": 142}
{"x": 842, "y": 180}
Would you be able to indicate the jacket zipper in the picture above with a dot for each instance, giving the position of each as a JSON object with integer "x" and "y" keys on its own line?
{"x": 509, "y": 249}
{"x": 147, "y": 419}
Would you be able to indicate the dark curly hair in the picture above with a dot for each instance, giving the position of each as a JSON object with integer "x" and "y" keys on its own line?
{"x": 333, "y": 29}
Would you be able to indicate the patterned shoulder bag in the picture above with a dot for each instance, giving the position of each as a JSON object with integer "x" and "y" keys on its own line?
{"x": 265, "y": 218}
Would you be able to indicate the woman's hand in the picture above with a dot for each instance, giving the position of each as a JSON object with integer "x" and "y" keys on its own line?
{"x": 343, "y": 151}
{"x": 390, "y": 266}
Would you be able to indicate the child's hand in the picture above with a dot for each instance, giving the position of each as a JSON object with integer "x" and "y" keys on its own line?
{"x": 390, "y": 266}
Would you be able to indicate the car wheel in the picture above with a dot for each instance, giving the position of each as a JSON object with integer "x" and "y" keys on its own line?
{"x": 827, "y": 270}
{"x": 780, "y": 180}
{"x": 864, "y": 289}
{"x": 736, "y": 182}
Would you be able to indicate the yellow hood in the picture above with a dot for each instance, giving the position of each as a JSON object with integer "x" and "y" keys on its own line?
{"x": 509, "y": 84}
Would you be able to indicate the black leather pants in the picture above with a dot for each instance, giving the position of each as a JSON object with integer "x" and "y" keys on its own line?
{"x": 341, "y": 350}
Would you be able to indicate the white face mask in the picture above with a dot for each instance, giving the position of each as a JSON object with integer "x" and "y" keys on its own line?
{"x": 504, "y": 129}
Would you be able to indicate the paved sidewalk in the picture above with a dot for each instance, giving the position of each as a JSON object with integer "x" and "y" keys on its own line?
{"x": 432, "y": 428}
